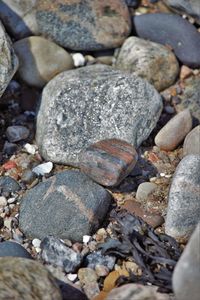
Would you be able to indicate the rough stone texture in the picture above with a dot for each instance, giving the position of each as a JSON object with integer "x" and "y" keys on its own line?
{"x": 55, "y": 252}
{"x": 191, "y": 7}
{"x": 40, "y": 60}
{"x": 8, "y": 60}
{"x": 184, "y": 206}
{"x": 74, "y": 24}
{"x": 108, "y": 162}
{"x": 98, "y": 259}
{"x": 173, "y": 133}
{"x": 14, "y": 249}
{"x": 151, "y": 61}
{"x": 68, "y": 205}
{"x": 192, "y": 142}
{"x": 190, "y": 97}
{"x": 186, "y": 276}
{"x": 83, "y": 106}
{"x": 172, "y": 30}
{"x": 26, "y": 279}
{"x": 8, "y": 185}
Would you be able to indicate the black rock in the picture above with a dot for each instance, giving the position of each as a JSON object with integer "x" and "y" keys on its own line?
{"x": 133, "y": 3}
{"x": 9, "y": 148}
{"x": 55, "y": 252}
{"x": 69, "y": 291}
{"x": 8, "y": 185}
{"x": 8, "y": 248}
{"x": 97, "y": 258}
{"x": 171, "y": 30}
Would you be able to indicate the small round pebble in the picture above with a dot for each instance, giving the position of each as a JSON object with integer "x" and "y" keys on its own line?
{"x": 144, "y": 190}
{"x": 17, "y": 133}
{"x": 3, "y": 201}
{"x": 36, "y": 243}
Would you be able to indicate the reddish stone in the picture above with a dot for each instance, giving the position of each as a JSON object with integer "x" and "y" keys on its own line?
{"x": 109, "y": 161}
{"x": 9, "y": 165}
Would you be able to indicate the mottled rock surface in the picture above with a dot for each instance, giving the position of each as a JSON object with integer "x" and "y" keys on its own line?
{"x": 83, "y": 106}
{"x": 192, "y": 142}
{"x": 26, "y": 279}
{"x": 8, "y": 60}
{"x": 184, "y": 206}
{"x": 191, "y": 7}
{"x": 67, "y": 205}
{"x": 40, "y": 60}
{"x": 14, "y": 249}
{"x": 151, "y": 61}
{"x": 172, "y": 30}
{"x": 186, "y": 276}
{"x": 8, "y": 185}
{"x": 173, "y": 133}
{"x": 108, "y": 162}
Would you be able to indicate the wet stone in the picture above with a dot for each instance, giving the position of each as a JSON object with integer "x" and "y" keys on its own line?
{"x": 17, "y": 133}
{"x": 55, "y": 252}
{"x": 108, "y": 162}
{"x": 184, "y": 207}
{"x": 80, "y": 207}
{"x": 192, "y": 142}
{"x": 97, "y": 258}
{"x": 9, "y": 248}
{"x": 172, "y": 30}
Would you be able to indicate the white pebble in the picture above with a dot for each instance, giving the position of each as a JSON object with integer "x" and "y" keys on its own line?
{"x": 86, "y": 239}
{"x": 38, "y": 250}
{"x": 30, "y": 148}
{"x": 79, "y": 59}
{"x": 72, "y": 277}
{"x": 36, "y": 243}
{"x": 11, "y": 200}
{"x": 162, "y": 174}
{"x": 3, "y": 201}
{"x": 44, "y": 168}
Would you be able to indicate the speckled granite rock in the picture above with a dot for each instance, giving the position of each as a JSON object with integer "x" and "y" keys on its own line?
{"x": 186, "y": 276}
{"x": 83, "y": 106}
{"x": 151, "y": 61}
{"x": 192, "y": 142}
{"x": 26, "y": 279}
{"x": 184, "y": 206}
{"x": 191, "y": 7}
{"x": 40, "y": 60}
{"x": 8, "y": 60}
{"x": 172, "y": 30}
{"x": 74, "y": 24}
{"x": 67, "y": 205}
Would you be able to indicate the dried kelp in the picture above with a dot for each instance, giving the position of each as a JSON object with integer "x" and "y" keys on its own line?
{"x": 156, "y": 254}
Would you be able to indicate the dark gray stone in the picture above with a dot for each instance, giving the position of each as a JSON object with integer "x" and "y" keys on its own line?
{"x": 186, "y": 276}
{"x": 191, "y": 7}
{"x": 67, "y": 205}
{"x": 192, "y": 142}
{"x": 55, "y": 252}
{"x": 17, "y": 133}
{"x": 8, "y": 185}
{"x": 83, "y": 106}
{"x": 184, "y": 206}
{"x": 172, "y": 30}
{"x": 9, "y": 248}
{"x": 97, "y": 258}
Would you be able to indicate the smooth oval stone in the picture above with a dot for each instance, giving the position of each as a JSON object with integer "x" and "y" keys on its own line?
{"x": 8, "y": 60}
{"x": 192, "y": 142}
{"x": 183, "y": 212}
{"x": 186, "y": 276}
{"x": 17, "y": 133}
{"x": 26, "y": 279}
{"x": 109, "y": 161}
{"x": 189, "y": 7}
{"x": 172, "y": 30}
{"x": 40, "y": 60}
{"x": 173, "y": 133}
{"x": 9, "y": 248}
{"x": 151, "y": 61}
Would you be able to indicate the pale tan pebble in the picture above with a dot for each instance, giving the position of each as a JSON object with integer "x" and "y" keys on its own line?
{"x": 185, "y": 72}
{"x": 101, "y": 270}
{"x": 3, "y": 201}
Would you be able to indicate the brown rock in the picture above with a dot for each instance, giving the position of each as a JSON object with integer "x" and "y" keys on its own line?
{"x": 173, "y": 133}
{"x": 192, "y": 142}
{"x": 185, "y": 72}
{"x": 109, "y": 161}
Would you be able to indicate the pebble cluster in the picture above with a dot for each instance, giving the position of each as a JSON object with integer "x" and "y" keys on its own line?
{"x": 99, "y": 117}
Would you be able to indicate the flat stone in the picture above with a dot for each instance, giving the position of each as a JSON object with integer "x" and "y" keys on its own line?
{"x": 184, "y": 207}
{"x": 108, "y": 162}
{"x": 191, "y": 143}
{"x": 172, "y": 30}
{"x": 55, "y": 252}
{"x": 9, "y": 62}
{"x": 186, "y": 276}
{"x": 17, "y": 133}
{"x": 191, "y": 8}
{"x": 14, "y": 249}
{"x": 144, "y": 190}
{"x": 174, "y": 132}
{"x": 8, "y": 185}
{"x": 93, "y": 103}
{"x": 151, "y": 61}
{"x": 26, "y": 279}
{"x": 40, "y": 60}
{"x": 80, "y": 207}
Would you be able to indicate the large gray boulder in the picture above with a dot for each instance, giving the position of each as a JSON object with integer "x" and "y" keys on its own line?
{"x": 83, "y": 106}
{"x": 8, "y": 60}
